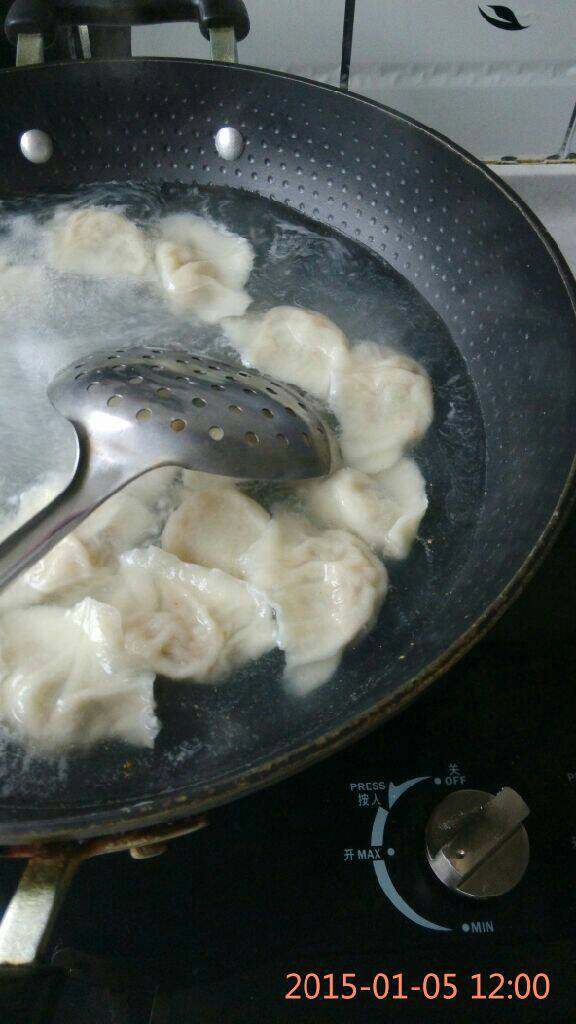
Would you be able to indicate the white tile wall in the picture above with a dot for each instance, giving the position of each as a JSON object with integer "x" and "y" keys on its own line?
{"x": 494, "y": 91}
{"x": 299, "y": 35}
{"x": 492, "y": 110}
{"x": 444, "y": 31}
{"x": 550, "y": 191}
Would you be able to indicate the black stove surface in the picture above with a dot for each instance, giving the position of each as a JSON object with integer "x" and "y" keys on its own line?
{"x": 320, "y": 885}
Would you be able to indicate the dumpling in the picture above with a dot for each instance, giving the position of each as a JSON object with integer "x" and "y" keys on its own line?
{"x": 383, "y": 510}
{"x": 325, "y": 586}
{"x": 193, "y": 285}
{"x": 66, "y": 680}
{"x": 98, "y": 242}
{"x": 196, "y": 480}
{"x": 21, "y": 287}
{"x": 295, "y": 345}
{"x": 167, "y": 626}
{"x": 155, "y": 487}
{"x": 66, "y": 565}
{"x": 24, "y": 506}
{"x": 188, "y": 622}
{"x": 230, "y": 256}
{"x": 244, "y": 615}
{"x": 215, "y": 528}
{"x": 384, "y": 403}
{"x": 203, "y": 268}
{"x": 118, "y": 524}
{"x": 305, "y": 678}
{"x": 121, "y": 522}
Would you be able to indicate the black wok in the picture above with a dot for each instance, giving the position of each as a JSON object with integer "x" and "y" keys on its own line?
{"x": 487, "y": 304}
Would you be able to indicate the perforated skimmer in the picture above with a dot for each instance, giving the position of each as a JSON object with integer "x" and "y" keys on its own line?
{"x": 138, "y": 409}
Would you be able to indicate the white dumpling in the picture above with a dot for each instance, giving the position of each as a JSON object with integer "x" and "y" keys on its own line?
{"x": 66, "y": 679}
{"x": 98, "y": 242}
{"x": 230, "y": 256}
{"x": 34, "y": 499}
{"x": 119, "y": 523}
{"x": 188, "y": 622}
{"x": 193, "y": 285}
{"x": 309, "y": 676}
{"x": 156, "y": 487}
{"x": 245, "y": 617}
{"x": 326, "y": 588}
{"x": 384, "y": 403}
{"x": 298, "y": 346}
{"x": 67, "y": 565}
{"x": 384, "y": 510}
{"x": 196, "y": 480}
{"x": 167, "y": 626}
{"x": 21, "y": 287}
{"x": 215, "y": 528}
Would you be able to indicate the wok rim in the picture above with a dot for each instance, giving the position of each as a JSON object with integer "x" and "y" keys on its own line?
{"x": 118, "y": 816}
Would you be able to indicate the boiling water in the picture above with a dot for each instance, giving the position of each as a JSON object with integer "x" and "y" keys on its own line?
{"x": 297, "y": 263}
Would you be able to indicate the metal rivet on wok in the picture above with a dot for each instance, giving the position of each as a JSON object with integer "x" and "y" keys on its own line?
{"x": 229, "y": 143}
{"x": 36, "y": 146}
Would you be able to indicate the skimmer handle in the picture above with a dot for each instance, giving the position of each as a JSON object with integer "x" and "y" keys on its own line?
{"x": 90, "y": 486}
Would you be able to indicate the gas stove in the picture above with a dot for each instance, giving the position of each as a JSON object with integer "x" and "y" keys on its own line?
{"x": 333, "y": 895}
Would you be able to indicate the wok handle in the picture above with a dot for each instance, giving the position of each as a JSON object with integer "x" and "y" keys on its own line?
{"x": 27, "y": 923}
{"x": 28, "y": 988}
{"x": 43, "y": 17}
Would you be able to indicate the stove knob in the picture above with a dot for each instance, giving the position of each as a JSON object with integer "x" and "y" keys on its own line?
{"x": 476, "y": 843}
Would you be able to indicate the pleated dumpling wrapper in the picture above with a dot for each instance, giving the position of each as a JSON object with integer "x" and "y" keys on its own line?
{"x": 75, "y": 565}
{"x": 326, "y": 588}
{"x": 231, "y": 255}
{"x": 215, "y": 528}
{"x": 203, "y": 267}
{"x": 98, "y": 242}
{"x": 186, "y": 621}
{"x": 384, "y": 403}
{"x": 298, "y": 346}
{"x": 66, "y": 679}
{"x": 384, "y": 510}
{"x": 67, "y": 565}
{"x": 192, "y": 285}
{"x": 121, "y": 522}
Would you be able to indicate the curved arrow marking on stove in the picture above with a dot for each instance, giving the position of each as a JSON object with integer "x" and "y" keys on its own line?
{"x": 384, "y": 880}
{"x": 394, "y": 792}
